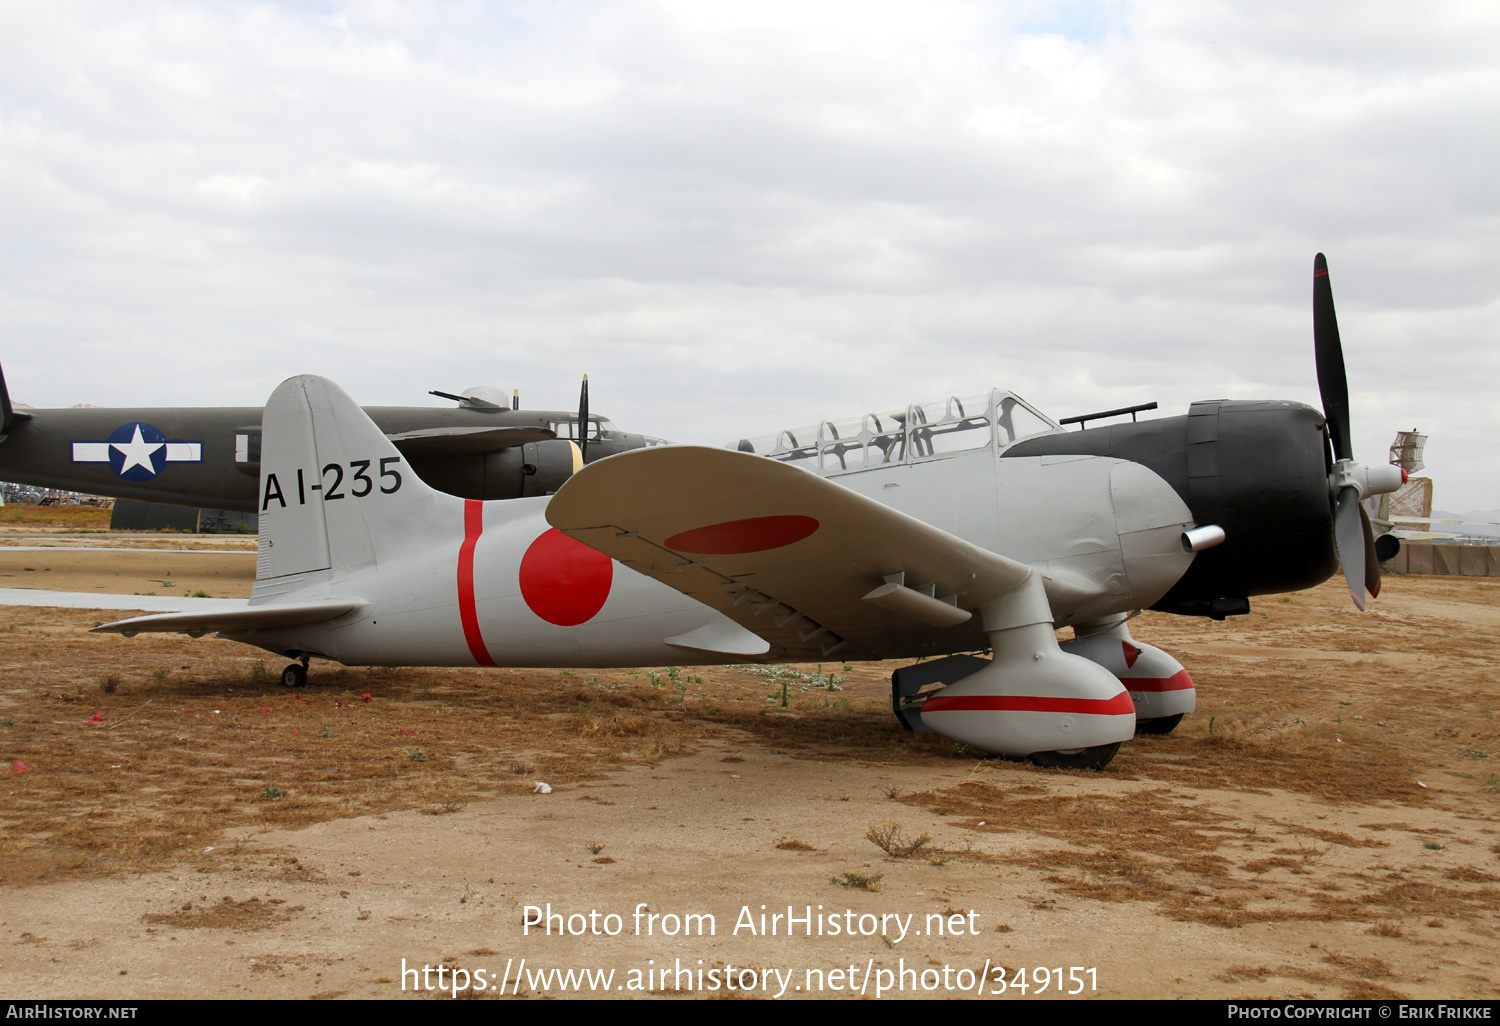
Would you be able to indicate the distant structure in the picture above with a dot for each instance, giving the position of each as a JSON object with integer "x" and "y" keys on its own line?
{"x": 1404, "y": 510}
{"x": 1407, "y": 513}
{"x": 1407, "y": 449}
{"x": 137, "y": 515}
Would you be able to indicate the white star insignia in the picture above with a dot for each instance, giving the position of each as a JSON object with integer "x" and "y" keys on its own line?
{"x": 137, "y": 452}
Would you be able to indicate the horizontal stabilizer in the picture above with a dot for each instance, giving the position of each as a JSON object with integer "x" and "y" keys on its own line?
{"x": 785, "y": 554}
{"x": 473, "y": 441}
{"x": 269, "y": 616}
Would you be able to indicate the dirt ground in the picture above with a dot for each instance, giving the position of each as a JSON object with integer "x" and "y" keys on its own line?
{"x": 1325, "y": 825}
{"x": 210, "y": 574}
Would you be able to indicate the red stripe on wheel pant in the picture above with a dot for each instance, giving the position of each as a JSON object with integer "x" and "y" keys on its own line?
{"x": 1179, "y": 681}
{"x": 467, "y": 615}
{"x": 1120, "y": 705}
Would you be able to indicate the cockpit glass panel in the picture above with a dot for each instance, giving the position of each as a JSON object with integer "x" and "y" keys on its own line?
{"x": 839, "y": 430}
{"x": 599, "y": 427}
{"x": 960, "y": 424}
{"x": 918, "y": 432}
{"x": 1016, "y": 420}
{"x": 929, "y": 413}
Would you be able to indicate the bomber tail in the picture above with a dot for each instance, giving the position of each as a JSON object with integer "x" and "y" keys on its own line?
{"x": 336, "y": 497}
{"x": 8, "y": 413}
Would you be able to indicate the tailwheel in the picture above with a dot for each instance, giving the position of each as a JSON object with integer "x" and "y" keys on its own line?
{"x": 1159, "y": 725}
{"x": 294, "y": 676}
{"x": 1097, "y": 757}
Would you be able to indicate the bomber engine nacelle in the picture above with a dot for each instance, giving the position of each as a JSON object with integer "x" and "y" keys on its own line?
{"x": 536, "y": 468}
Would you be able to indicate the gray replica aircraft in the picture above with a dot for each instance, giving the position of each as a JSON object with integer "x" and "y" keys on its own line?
{"x": 485, "y": 448}
{"x": 968, "y": 525}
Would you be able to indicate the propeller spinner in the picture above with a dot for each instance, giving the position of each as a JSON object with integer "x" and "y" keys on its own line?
{"x": 1350, "y": 481}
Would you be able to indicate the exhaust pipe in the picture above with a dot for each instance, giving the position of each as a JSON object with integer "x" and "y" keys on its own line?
{"x": 1200, "y": 538}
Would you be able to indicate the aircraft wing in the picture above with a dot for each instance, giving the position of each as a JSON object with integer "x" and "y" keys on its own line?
{"x": 240, "y": 618}
{"x": 472, "y": 441}
{"x": 813, "y": 568}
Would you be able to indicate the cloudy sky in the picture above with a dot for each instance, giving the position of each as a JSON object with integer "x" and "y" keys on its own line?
{"x": 736, "y": 217}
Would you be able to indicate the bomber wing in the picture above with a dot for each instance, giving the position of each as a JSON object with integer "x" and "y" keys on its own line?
{"x": 466, "y": 441}
{"x": 815, "y": 569}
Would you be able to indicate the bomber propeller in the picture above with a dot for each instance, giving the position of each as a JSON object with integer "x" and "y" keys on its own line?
{"x": 583, "y": 420}
{"x": 1350, "y": 481}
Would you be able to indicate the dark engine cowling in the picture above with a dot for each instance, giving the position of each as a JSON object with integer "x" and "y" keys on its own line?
{"x": 537, "y": 468}
{"x": 1257, "y": 469}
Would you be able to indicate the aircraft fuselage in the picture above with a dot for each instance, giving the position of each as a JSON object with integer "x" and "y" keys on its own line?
{"x": 210, "y": 457}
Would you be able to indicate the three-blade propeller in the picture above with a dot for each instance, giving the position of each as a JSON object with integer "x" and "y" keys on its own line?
{"x": 1350, "y": 481}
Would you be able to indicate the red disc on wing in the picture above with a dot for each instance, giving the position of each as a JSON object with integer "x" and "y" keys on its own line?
{"x": 757, "y": 534}
{"x": 564, "y": 581}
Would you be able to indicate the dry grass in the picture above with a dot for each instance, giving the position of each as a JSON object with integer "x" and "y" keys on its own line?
{"x": 1308, "y": 702}
{"x": 25, "y": 516}
{"x": 176, "y": 759}
{"x": 890, "y": 838}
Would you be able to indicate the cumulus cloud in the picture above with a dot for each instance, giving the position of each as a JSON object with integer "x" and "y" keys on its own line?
{"x": 736, "y": 217}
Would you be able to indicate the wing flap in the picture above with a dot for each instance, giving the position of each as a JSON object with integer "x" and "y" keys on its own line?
{"x": 469, "y": 441}
{"x": 784, "y": 553}
{"x": 243, "y": 618}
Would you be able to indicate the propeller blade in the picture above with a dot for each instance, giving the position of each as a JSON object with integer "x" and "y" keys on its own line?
{"x": 583, "y": 420}
{"x": 1333, "y": 383}
{"x": 1349, "y": 534}
{"x": 1372, "y": 561}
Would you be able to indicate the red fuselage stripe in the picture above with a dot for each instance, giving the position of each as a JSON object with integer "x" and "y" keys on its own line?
{"x": 467, "y": 615}
{"x": 1179, "y": 681}
{"x": 1120, "y": 705}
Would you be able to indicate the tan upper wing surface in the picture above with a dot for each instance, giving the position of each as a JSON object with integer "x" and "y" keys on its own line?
{"x": 815, "y": 569}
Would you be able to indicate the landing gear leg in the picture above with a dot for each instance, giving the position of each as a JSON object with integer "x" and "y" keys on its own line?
{"x": 1034, "y": 699}
{"x": 1161, "y": 689}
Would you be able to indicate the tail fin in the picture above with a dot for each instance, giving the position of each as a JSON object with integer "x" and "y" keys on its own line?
{"x": 335, "y": 494}
{"x": 7, "y": 414}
